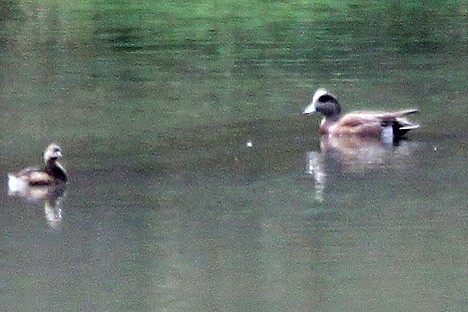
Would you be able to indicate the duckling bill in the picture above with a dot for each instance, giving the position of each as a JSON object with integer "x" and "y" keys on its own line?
{"x": 51, "y": 174}
{"x": 363, "y": 123}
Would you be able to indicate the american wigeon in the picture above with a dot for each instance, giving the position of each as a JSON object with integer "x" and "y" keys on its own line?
{"x": 51, "y": 174}
{"x": 382, "y": 125}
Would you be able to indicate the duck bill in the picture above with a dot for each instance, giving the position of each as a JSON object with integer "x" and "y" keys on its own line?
{"x": 310, "y": 109}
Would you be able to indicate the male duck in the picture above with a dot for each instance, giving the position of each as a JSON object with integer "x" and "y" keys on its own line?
{"x": 51, "y": 174}
{"x": 380, "y": 125}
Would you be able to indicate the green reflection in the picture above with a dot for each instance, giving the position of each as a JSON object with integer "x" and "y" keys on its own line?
{"x": 155, "y": 103}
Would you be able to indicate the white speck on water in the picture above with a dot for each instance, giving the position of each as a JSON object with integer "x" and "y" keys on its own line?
{"x": 249, "y": 144}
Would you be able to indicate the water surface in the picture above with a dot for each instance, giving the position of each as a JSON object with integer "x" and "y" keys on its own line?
{"x": 195, "y": 183}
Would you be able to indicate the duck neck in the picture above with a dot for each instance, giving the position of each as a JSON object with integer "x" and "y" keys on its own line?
{"x": 54, "y": 169}
{"x": 332, "y": 118}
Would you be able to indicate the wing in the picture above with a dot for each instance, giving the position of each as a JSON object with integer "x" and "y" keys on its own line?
{"x": 357, "y": 124}
{"x": 35, "y": 176}
{"x": 28, "y": 171}
{"x": 359, "y": 119}
{"x": 40, "y": 178}
{"x": 371, "y": 123}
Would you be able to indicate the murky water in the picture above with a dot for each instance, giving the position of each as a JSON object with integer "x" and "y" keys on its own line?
{"x": 195, "y": 183}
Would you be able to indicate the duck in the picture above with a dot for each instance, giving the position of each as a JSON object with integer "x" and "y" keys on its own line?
{"x": 51, "y": 174}
{"x": 369, "y": 124}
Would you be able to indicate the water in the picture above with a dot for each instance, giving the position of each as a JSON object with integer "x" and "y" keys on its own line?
{"x": 195, "y": 183}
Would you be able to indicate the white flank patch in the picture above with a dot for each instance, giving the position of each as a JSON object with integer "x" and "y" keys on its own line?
{"x": 387, "y": 134}
{"x": 16, "y": 185}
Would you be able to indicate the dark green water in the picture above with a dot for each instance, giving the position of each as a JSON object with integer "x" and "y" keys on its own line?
{"x": 196, "y": 184}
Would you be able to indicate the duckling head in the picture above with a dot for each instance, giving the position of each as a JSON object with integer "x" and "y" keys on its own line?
{"x": 52, "y": 153}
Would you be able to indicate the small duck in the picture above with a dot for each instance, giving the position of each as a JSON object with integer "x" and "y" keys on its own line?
{"x": 382, "y": 125}
{"x": 51, "y": 174}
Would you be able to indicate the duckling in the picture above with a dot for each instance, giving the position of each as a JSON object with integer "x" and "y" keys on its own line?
{"x": 51, "y": 174}
{"x": 382, "y": 125}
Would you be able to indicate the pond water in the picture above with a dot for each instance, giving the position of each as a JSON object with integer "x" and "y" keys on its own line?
{"x": 195, "y": 182}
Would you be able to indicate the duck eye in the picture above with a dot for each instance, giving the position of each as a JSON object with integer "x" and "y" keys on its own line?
{"x": 326, "y": 98}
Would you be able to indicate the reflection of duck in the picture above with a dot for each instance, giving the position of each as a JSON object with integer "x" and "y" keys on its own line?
{"x": 353, "y": 154}
{"x": 51, "y": 174}
{"x": 51, "y": 195}
{"x": 382, "y": 125}
{"x": 53, "y": 210}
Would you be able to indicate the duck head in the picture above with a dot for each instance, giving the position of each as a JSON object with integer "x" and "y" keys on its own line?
{"x": 324, "y": 103}
{"x": 52, "y": 153}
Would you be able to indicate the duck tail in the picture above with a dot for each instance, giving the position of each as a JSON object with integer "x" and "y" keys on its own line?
{"x": 407, "y": 112}
{"x": 410, "y": 127}
{"x": 402, "y": 125}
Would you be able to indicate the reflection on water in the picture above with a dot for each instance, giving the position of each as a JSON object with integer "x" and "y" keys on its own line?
{"x": 166, "y": 213}
{"x": 51, "y": 196}
{"x": 315, "y": 168}
{"x": 353, "y": 154}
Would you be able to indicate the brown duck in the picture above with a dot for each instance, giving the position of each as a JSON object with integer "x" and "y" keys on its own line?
{"x": 51, "y": 174}
{"x": 382, "y": 125}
